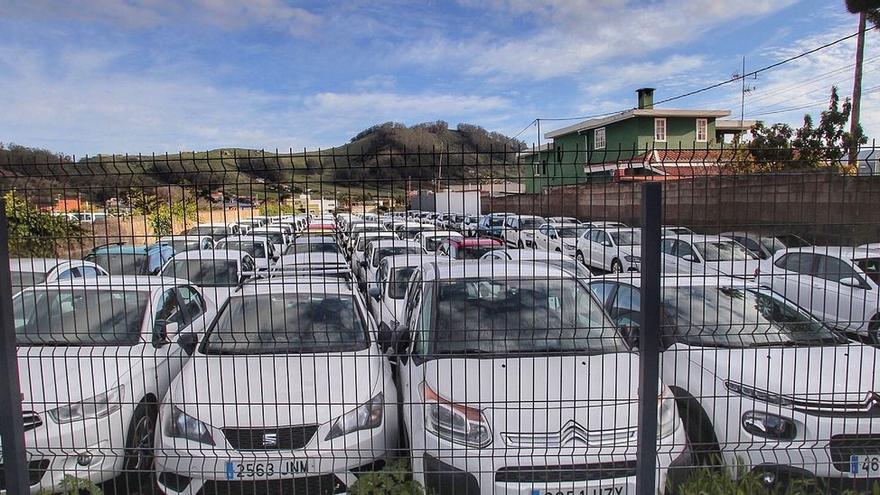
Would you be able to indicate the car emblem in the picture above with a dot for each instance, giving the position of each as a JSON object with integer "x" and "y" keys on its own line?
{"x": 572, "y": 431}
{"x": 270, "y": 440}
{"x": 875, "y": 399}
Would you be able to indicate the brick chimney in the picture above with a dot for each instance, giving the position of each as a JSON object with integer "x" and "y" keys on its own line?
{"x": 646, "y": 98}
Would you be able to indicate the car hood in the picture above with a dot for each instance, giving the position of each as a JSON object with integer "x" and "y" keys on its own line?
{"x": 53, "y": 376}
{"x": 275, "y": 389}
{"x": 597, "y": 392}
{"x": 742, "y": 269}
{"x": 838, "y": 373}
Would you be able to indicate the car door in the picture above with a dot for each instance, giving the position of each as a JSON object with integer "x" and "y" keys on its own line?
{"x": 600, "y": 252}
{"x": 163, "y": 355}
{"x": 409, "y": 372}
{"x": 792, "y": 276}
{"x": 542, "y": 237}
{"x": 840, "y": 305}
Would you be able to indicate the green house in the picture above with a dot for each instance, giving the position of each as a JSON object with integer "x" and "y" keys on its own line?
{"x": 597, "y": 149}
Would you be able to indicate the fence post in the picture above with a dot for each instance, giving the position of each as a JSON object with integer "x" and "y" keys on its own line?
{"x": 649, "y": 339}
{"x": 11, "y": 426}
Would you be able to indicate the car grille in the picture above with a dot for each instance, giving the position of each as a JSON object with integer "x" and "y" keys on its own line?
{"x": 571, "y": 433}
{"x": 844, "y": 446}
{"x": 286, "y": 438}
{"x": 31, "y": 420}
{"x": 566, "y": 473}
{"x": 313, "y": 485}
{"x": 36, "y": 470}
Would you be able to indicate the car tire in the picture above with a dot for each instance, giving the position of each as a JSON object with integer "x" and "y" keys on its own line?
{"x": 616, "y": 266}
{"x": 874, "y": 329}
{"x": 139, "y": 444}
{"x": 580, "y": 259}
{"x": 698, "y": 428}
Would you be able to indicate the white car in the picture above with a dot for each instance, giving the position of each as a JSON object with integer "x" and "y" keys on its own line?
{"x": 386, "y": 296}
{"x": 376, "y": 250}
{"x": 560, "y": 237}
{"x": 359, "y": 247}
{"x": 95, "y": 357}
{"x": 410, "y": 230}
{"x": 837, "y": 284}
{"x": 303, "y": 400}
{"x": 26, "y": 272}
{"x": 259, "y": 247}
{"x": 520, "y": 230}
{"x": 182, "y": 243}
{"x": 525, "y": 256}
{"x": 304, "y": 263}
{"x": 613, "y": 249}
{"x": 671, "y": 230}
{"x": 602, "y": 224}
{"x": 279, "y": 235}
{"x": 468, "y": 225}
{"x": 477, "y": 407}
{"x": 430, "y": 239}
{"x": 763, "y": 383}
{"x": 563, "y": 220}
{"x": 215, "y": 231}
{"x": 216, "y": 272}
{"x": 715, "y": 254}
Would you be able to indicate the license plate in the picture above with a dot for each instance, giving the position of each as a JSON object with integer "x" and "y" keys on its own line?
{"x": 268, "y": 469}
{"x": 866, "y": 466}
{"x": 598, "y": 490}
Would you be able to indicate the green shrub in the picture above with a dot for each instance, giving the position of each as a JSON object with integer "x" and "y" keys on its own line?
{"x": 394, "y": 479}
{"x": 35, "y": 233}
{"x": 76, "y": 486}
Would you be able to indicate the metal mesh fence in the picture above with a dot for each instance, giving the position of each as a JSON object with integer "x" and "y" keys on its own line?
{"x": 537, "y": 322}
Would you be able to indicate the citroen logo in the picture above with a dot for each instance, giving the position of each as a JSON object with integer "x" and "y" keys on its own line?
{"x": 572, "y": 432}
{"x": 875, "y": 399}
{"x": 270, "y": 440}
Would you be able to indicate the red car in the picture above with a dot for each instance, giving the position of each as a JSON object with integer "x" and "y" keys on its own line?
{"x": 318, "y": 228}
{"x": 469, "y": 248}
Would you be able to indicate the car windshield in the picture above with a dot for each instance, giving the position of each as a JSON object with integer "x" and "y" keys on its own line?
{"x": 311, "y": 247}
{"x": 181, "y": 245}
{"x": 496, "y": 221}
{"x": 733, "y": 317}
{"x": 792, "y": 241}
{"x": 20, "y": 280}
{"x": 411, "y": 233}
{"x": 255, "y": 249}
{"x": 207, "y": 230}
{"x": 383, "y": 252}
{"x": 399, "y": 281}
{"x": 287, "y": 323}
{"x": 871, "y": 267}
{"x": 473, "y": 252}
{"x": 571, "y": 232}
{"x": 274, "y": 237}
{"x": 432, "y": 243}
{"x": 364, "y": 240}
{"x": 214, "y": 273}
{"x": 772, "y": 244}
{"x": 531, "y": 223}
{"x": 627, "y": 237}
{"x": 722, "y": 251}
{"x": 514, "y": 315}
{"x": 120, "y": 263}
{"x": 79, "y": 317}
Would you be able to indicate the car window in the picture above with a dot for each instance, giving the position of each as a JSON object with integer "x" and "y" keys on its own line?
{"x": 602, "y": 290}
{"x": 871, "y": 267}
{"x": 191, "y": 303}
{"x": 627, "y": 298}
{"x": 167, "y": 311}
{"x": 668, "y": 246}
{"x": 683, "y": 249}
{"x": 89, "y": 271}
{"x": 247, "y": 264}
{"x": 835, "y": 269}
{"x": 66, "y": 274}
{"x": 796, "y": 262}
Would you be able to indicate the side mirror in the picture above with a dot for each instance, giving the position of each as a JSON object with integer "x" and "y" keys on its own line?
{"x": 374, "y": 293}
{"x": 188, "y": 343}
{"x": 554, "y": 236}
{"x": 850, "y": 282}
{"x": 400, "y": 342}
{"x": 689, "y": 257}
{"x": 385, "y": 337}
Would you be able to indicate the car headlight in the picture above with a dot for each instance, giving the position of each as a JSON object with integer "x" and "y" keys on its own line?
{"x": 455, "y": 422}
{"x": 633, "y": 259}
{"x": 364, "y": 417}
{"x": 768, "y": 425}
{"x": 187, "y": 427}
{"x": 761, "y": 395}
{"x": 98, "y": 406}
{"x": 568, "y": 246}
{"x": 667, "y": 419}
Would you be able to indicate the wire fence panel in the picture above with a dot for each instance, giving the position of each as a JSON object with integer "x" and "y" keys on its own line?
{"x": 428, "y": 320}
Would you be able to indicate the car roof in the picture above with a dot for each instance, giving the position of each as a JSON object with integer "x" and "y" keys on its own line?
{"x": 118, "y": 282}
{"x": 441, "y": 233}
{"x": 402, "y": 260}
{"x": 702, "y": 238}
{"x": 614, "y": 229}
{"x": 126, "y": 248}
{"x": 315, "y": 239}
{"x": 42, "y": 265}
{"x": 531, "y": 254}
{"x": 210, "y": 254}
{"x": 489, "y": 269}
{"x": 380, "y": 243}
{"x": 246, "y": 237}
{"x": 286, "y": 284}
{"x": 566, "y": 225}
{"x": 168, "y": 238}
{"x": 836, "y": 251}
{"x": 476, "y": 241}
{"x": 681, "y": 280}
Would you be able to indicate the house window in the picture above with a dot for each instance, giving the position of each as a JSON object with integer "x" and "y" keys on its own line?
{"x": 660, "y": 130}
{"x": 543, "y": 167}
{"x": 599, "y": 138}
{"x": 702, "y": 130}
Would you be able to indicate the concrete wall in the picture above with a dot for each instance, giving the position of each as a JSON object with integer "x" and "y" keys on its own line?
{"x": 823, "y": 208}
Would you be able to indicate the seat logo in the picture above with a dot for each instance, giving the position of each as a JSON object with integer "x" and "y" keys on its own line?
{"x": 270, "y": 440}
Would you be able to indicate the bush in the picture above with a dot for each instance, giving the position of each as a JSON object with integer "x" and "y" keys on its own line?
{"x": 395, "y": 479}
{"x": 162, "y": 220}
{"x": 719, "y": 481}
{"x": 34, "y": 233}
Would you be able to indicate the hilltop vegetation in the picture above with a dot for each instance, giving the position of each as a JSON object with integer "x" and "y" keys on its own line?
{"x": 379, "y": 154}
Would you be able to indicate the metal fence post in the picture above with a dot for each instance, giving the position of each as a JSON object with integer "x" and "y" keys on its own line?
{"x": 11, "y": 426}
{"x": 649, "y": 339}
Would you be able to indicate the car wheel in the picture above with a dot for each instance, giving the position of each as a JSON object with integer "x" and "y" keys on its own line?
{"x": 139, "y": 444}
{"x": 580, "y": 258}
{"x": 616, "y": 267}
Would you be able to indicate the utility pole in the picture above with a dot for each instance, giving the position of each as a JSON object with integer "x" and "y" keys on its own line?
{"x": 857, "y": 89}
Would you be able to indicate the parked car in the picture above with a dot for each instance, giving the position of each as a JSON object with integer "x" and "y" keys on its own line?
{"x": 611, "y": 249}
{"x": 360, "y": 244}
{"x": 95, "y": 356}
{"x": 714, "y": 253}
{"x": 468, "y": 225}
{"x": 602, "y": 224}
{"x": 560, "y": 237}
{"x": 757, "y": 378}
{"x": 430, "y": 239}
{"x": 216, "y": 272}
{"x": 230, "y": 423}
{"x": 125, "y": 259}
{"x": 26, "y": 272}
{"x": 309, "y": 264}
{"x": 258, "y": 246}
{"x": 563, "y": 220}
{"x": 520, "y": 230}
{"x": 469, "y": 248}
{"x": 763, "y": 246}
{"x": 376, "y": 250}
{"x": 837, "y": 284}
{"x": 215, "y": 231}
{"x": 475, "y": 426}
{"x": 182, "y": 243}
{"x": 278, "y": 235}
{"x": 526, "y": 256}
{"x": 492, "y": 225}
{"x": 671, "y": 230}
{"x": 313, "y": 244}
{"x": 386, "y": 295}
{"x": 409, "y": 231}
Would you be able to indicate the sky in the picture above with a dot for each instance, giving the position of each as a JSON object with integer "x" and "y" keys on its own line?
{"x": 140, "y": 76}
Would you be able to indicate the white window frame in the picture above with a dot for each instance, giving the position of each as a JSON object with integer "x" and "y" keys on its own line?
{"x": 704, "y": 123}
{"x": 658, "y": 123}
{"x": 599, "y": 144}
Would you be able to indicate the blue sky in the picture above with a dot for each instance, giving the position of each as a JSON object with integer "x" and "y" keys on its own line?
{"x": 102, "y": 76}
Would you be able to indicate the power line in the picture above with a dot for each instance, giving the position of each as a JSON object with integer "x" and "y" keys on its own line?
{"x": 524, "y": 129}
{"x": 807, "y": 105}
